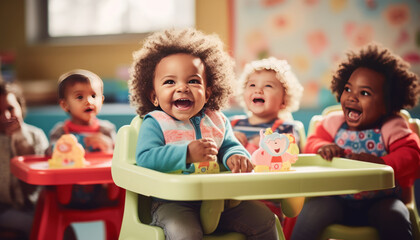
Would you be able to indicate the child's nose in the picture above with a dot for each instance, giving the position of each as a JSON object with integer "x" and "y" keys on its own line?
{"x": 90, "y": 100}
{"x": 258, "y": 90}
{"x": 352, "y": 97}
{"x": 183, "y": 88}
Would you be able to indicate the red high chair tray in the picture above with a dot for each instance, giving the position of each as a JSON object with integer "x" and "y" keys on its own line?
{"x": 34, "y": 169}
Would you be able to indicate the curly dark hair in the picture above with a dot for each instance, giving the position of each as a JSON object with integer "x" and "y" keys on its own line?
{"x": 219, "y": 66}
{"x": 15, "y": 89}
{"x": 401, "y": 88}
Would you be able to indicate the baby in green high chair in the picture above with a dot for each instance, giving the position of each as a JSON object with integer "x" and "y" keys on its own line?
{"x": 180, "y": 81}
{"x": 372, "y": 85}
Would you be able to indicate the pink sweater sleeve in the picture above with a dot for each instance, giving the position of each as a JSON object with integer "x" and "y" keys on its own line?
{"x": 324, "y": 132}
{"x": 317, "y": 139}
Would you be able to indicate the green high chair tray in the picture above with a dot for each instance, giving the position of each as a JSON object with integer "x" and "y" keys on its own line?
{"x": 310, "y": 176}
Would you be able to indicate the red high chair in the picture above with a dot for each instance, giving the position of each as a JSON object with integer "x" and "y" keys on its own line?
{"x": 52, "y": 216}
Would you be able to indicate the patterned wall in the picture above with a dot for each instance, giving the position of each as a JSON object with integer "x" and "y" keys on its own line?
{"x": 314, "y": 35}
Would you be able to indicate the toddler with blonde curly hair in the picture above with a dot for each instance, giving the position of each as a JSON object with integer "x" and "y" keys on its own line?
{"x": 270, "y": 92}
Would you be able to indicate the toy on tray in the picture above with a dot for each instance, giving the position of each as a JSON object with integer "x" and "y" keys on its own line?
{"x": 277, "y": 152}
{"x": 67, "y": 153}
{"x": 206, "y": 167}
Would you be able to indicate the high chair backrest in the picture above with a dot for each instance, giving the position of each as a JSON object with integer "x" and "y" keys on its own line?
{"x": 302, "y": 134}
{"x": 347, "y": 232}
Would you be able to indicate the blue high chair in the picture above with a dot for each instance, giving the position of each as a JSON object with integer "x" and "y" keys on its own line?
{"x": 339, "y": 231}
{"x": 137, "y": 217}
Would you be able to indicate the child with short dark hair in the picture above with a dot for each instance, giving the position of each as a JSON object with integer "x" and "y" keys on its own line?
{"x": 180, "y": 80}
{"x": 80, "y": 94}
{"x": 372, "y": 85}
{"x": 17, "y": 198}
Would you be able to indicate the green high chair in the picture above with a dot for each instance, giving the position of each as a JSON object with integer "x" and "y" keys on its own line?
{"x": 137, "y": 217}
{"x": 339, "y": 231}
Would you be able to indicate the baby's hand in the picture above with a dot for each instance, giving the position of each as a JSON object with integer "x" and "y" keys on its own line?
{"x": 329, "y": 151}
{"x": 365, "y": 157}
{"x": 239, "y": 163}
{"x": 202, "y": 150}
{"x": 241, "y": 137}
{"x": 99, "y": 141}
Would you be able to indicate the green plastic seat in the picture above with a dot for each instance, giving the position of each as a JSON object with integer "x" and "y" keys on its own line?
{"x": 137, "y": 217}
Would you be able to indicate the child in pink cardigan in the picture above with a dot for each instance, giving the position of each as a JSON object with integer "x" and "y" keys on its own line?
{"x": 372, "y": 86}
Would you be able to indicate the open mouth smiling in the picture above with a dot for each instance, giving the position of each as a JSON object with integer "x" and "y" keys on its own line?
{"x": 353, "y": 114}
{"x": 183, "y": 103}
{"x": 258, "y": 100}
{"x": 88, "y": 110}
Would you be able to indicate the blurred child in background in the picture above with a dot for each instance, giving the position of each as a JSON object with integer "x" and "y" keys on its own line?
{"x": 80, "y": 94}
{"x": 372, "y": 85}
{"x": 17, "y": 198}
{"x": 270, "y": 92}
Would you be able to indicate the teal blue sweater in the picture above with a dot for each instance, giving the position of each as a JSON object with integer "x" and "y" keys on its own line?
{"x": 153, "y": 153}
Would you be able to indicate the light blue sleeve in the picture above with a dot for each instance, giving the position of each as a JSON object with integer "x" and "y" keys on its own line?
{"x": 231, "y": 146}
{"x": 153, "y": 153}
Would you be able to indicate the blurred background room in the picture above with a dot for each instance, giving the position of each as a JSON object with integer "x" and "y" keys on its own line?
{"x": 41, "y": 39}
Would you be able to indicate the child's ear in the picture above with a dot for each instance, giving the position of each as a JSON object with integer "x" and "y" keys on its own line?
{"x": 154, "y": 99}
{"x": 64, "y": 105}
{"x": 283, "y": 104}
{"x": 208, "y": 94}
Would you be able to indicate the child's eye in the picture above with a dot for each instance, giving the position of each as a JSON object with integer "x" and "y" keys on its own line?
{"x": 79, "y": 97}
{"x": 269, "y": 86}
{"x": 169, "y": 82}
{"x": 365, "y": 93}
{"x": 94, "y": 96}
{"x": 251, "y": 85}
{"x": 194, "y": 81}
{"x": 347, "y": 89}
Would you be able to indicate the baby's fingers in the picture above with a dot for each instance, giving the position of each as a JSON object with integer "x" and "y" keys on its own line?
{"x": 208, "y": 143}
{"x": 210, "y": 158}
{"x": 325, "y": 153}
{"x": 238, "y": 163}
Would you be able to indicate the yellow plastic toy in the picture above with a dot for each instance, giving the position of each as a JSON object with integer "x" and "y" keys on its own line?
{"x": 67, "y": 153}
{"x": 206, "y": 167}
{"x": 277, "y": 152}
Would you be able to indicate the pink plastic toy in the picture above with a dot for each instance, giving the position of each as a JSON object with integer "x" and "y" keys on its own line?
{"x": 277, "y": 152}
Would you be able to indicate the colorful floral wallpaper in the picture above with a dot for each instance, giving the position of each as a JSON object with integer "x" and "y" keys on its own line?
{"x": 314, "y": 35}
